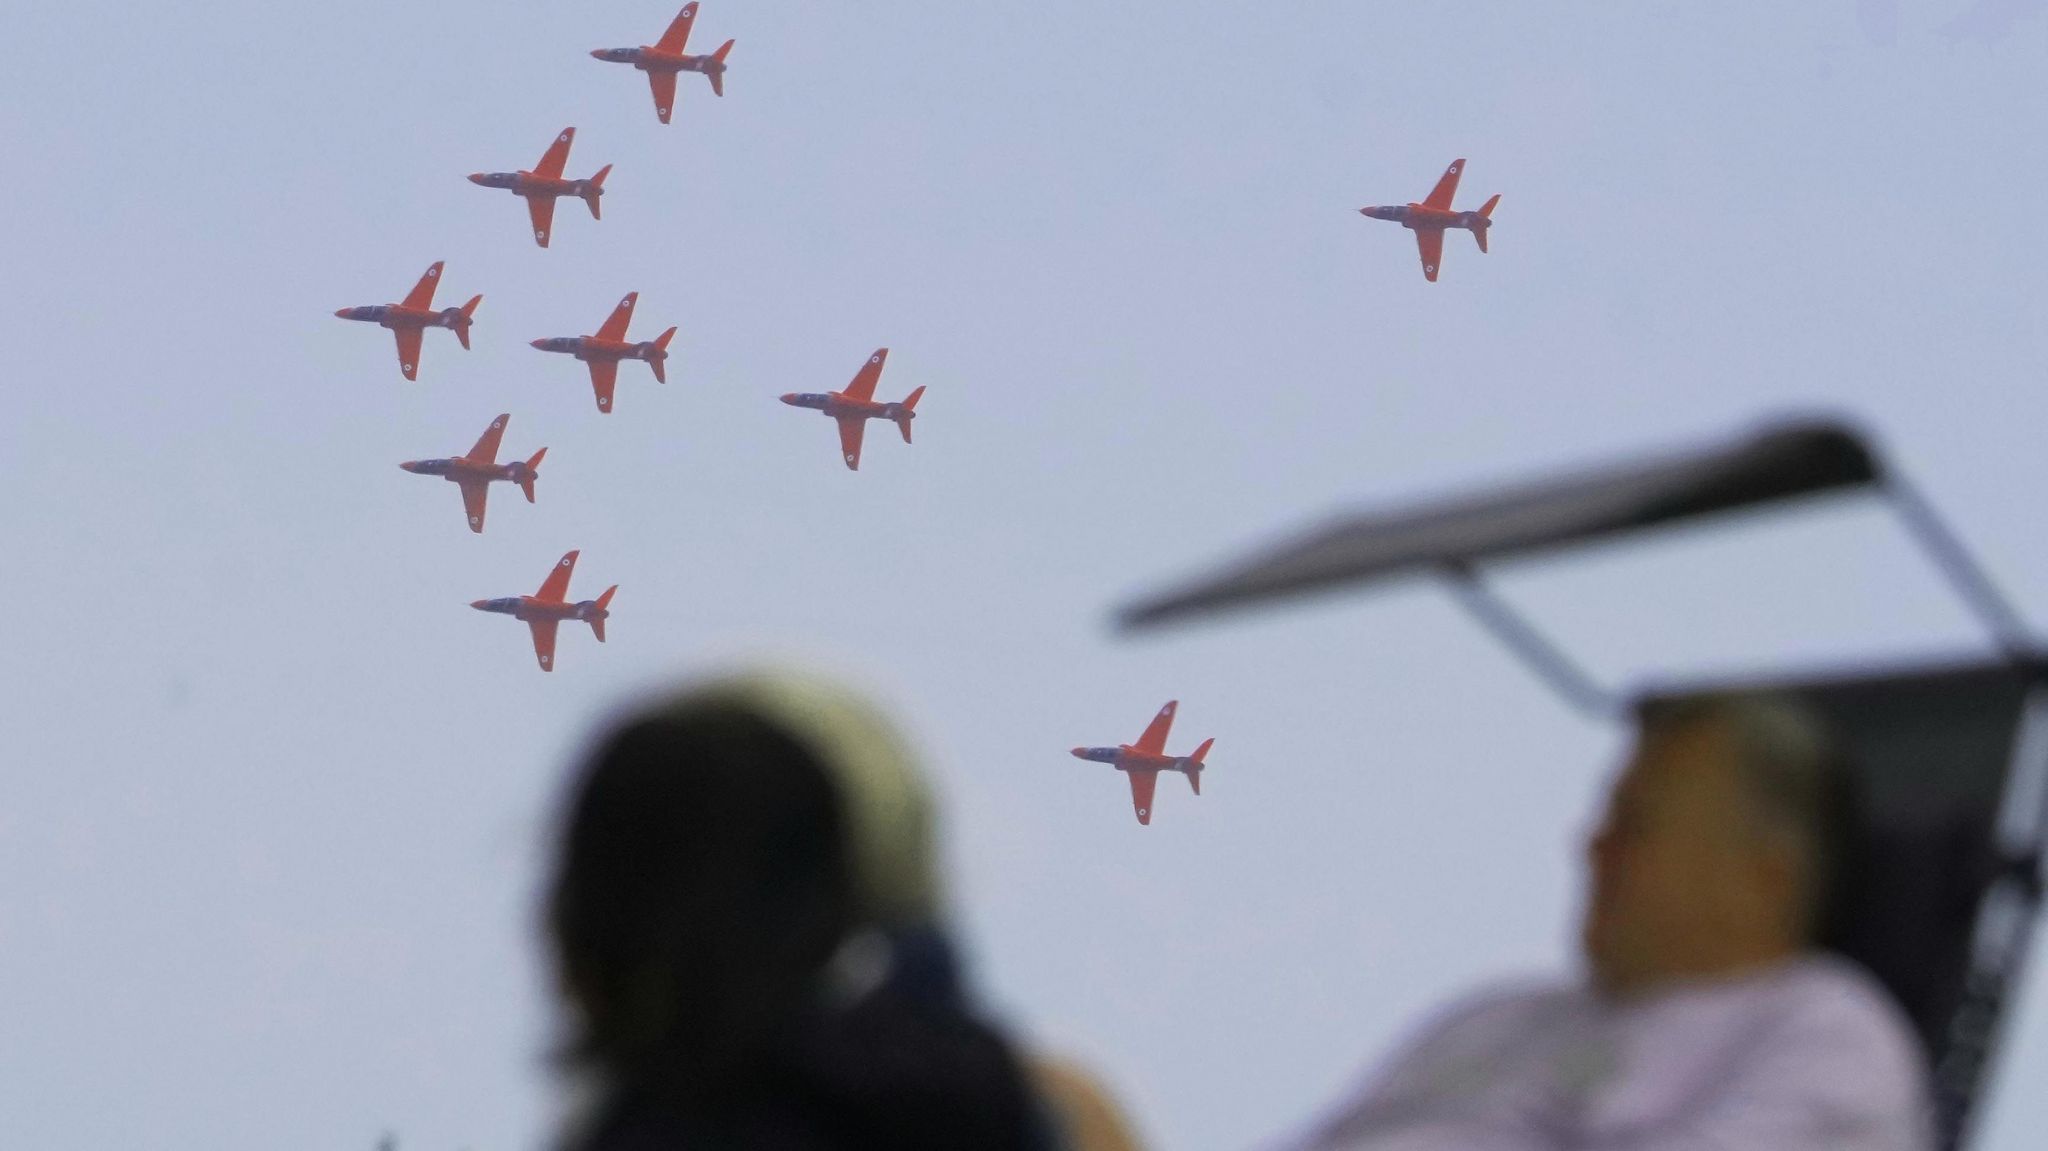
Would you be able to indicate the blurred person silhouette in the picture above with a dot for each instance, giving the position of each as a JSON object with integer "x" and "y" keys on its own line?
{"x": 1709, "y": 1017}
{"x": 746, "y": 927}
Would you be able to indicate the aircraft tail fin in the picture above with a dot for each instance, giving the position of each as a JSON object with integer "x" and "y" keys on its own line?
{"x": 596, "y": 189}
{"x": 597, "y": 621}
{"x": 532, "y": 474}
{"x": 1485, "y": 213}
{"x": 909, "y": 405}
{"x": 717, "y": 75}
{"x": 1195, "y": 772}
{"x": 661, "y": 355}
{"x": 462, "y": 325}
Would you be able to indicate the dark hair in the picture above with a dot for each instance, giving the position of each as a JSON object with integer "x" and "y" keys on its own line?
{"x": 702, "y": 885}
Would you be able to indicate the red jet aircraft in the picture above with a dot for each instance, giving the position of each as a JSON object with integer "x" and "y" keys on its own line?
{"x": 545, "y": 609}
{"x": 1144, "y": 760}
{"x": 475, "y": 471}
{"x": 855, "y": 406}
{"x": 541, "y": 185}
{"x": 413, "y": 315}
{"x": 604, "y": 350}
{"x": 1429, "y": 219}
{"x": 661, "y": 61}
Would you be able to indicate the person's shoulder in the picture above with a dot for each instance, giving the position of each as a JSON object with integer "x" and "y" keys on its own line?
{"x": 1828, "y": 989}
{"x": 1505, "y": 1005}
{"x": 1523, "y": 994}
{"x": 1081, "y": 1106}
{"x": 1828, "y": 1008}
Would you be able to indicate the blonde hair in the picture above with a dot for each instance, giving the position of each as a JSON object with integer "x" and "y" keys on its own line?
{"x": 1798, "y": 789}
{"x": 886, "y": 799}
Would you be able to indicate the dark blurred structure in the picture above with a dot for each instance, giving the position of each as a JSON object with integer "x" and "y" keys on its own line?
{"x": 1951, "y": 758}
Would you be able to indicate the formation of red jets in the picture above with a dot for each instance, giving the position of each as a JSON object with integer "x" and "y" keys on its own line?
{"x": 541, "y": 186}
{"x": 850, "y": 408}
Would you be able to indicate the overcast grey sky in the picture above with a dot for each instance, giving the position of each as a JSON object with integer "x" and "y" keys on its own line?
{"x": 276, "y": 799}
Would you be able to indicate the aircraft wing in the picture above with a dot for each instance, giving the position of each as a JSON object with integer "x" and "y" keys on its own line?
{"x": 850, "y": 430}
{"x": 604, "y": 374}
{"x": 678, "y": 35}
{"x": 870, "y": 374}
{"x": 474, "y": 492}
{"x": 615, "y": 324}
{"x": 1143, "y": 782}
{"x": 556, "y": 585}
{"x": 1430, "y": 241}
{"x": 544, "y": 641}
{"x": 556, "y": 157}
{"x": 422, "y": 294}
{"x": 1446, "y": 186}
{"x": 409, "y": 351}
{"x": 1153, "y": 742}
{"x": 542, "y": 210}
{"x": 664, "y": 85}
{"x": 486, "y": 449}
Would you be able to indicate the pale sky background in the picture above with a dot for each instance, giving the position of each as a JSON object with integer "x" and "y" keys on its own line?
{"x": 276, "y": 801}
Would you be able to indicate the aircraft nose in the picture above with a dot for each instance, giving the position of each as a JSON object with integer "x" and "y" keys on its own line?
{"x": 476, "y": 177}
{"x": 480, "y": 604}
{"x": 411, "y": 465}
{"x": 341, "y": 313}
{"x": 789, "y": 397}
{"x": 597, "y": 53}
{"x": 541, "y": 344}
{"x": 1080, "y": 753}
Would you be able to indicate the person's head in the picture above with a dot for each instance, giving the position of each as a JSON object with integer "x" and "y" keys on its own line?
{"x": 1719, "y": 844}
{"x": 720, "y": 846}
